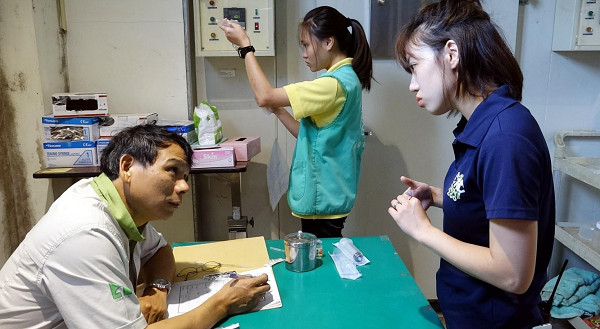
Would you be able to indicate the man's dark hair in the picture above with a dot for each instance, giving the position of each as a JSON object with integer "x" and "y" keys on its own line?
{"x": 143, "y": 143}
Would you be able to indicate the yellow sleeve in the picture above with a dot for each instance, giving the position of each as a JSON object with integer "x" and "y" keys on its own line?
{"x": 321, "y": 99}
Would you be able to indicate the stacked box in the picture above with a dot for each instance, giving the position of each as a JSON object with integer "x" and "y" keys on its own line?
{"x": 70, "y": 129}
{"x": 117, "y": 122}
{"x": 245, "y": 147}
{"x": 185, "y": 128}
{"x": 213, "y": 157}
{"x": 71, "y": 154}
{"x": 79, "y": 104}
{"x": 101, "y": 144}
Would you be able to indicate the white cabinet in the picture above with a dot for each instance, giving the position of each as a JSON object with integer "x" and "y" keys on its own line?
{"x": 584, "y": 169}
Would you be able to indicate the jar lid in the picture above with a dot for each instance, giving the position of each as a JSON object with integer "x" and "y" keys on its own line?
{"x": 300, "y": 239}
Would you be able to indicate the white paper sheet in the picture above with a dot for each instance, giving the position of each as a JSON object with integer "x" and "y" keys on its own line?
{"x": 187, "y": 295}
{"x": 278, "y": 174}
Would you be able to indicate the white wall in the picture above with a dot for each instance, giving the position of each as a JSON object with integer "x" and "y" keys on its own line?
{"x": 30, "y": 66}
{"x": 132, "y": 50}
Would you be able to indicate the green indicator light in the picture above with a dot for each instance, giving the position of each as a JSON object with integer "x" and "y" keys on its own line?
{"x": 212, "y": 19}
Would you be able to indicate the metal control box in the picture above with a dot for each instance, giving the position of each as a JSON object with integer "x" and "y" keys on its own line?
{"x": 256, "y": 17}
{"x": 576, "y": 25}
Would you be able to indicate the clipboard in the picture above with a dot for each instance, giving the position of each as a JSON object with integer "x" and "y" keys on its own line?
{"x": 244, "y": 254}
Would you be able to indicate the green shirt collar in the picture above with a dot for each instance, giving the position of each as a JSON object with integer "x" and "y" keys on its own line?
{"x": 107, "y": 191}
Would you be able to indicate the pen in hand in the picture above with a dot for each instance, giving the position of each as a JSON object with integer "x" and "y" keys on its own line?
{"x": 227, "y": 276}
{"x": 237, "y": 276}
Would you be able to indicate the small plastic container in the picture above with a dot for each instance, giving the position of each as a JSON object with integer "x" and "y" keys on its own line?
{"x": 591, "y": 234}
{"x": 319, "y": 249}
{"x": 586, "y": 232}
{"x": 596, "y": 238}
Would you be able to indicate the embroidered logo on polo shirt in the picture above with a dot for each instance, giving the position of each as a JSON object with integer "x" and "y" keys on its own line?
{"x": 118, "y": 291}
{"x": 457, "y": 187}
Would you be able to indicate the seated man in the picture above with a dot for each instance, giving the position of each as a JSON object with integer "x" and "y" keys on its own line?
{"x": 78, "y": 266}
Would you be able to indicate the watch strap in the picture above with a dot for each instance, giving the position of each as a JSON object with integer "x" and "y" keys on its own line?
{"x": 161, "y": 284}
{"x": 242, "y": 51}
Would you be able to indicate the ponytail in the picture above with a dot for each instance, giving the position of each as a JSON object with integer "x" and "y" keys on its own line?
{"x": 361, "y": 52}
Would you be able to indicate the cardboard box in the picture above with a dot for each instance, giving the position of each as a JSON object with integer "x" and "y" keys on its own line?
{"x": 112, "y": 125}
{"x": 70, "y": 129}
{"x": 79, "y": 104}
{"x": 245, "y": 147}
{"x": 185, "y": 128}
{"x": 71, "y": 154}
{"x": 213, "y": 157}
{"x": 101, "y": 144}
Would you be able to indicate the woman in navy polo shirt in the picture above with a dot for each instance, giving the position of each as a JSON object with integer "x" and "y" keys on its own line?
{"x": 498, "y": 197}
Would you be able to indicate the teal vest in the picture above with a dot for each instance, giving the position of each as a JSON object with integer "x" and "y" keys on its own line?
{"x": 326, "y": 163}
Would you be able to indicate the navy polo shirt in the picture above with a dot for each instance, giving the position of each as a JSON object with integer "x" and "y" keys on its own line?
{"x": 502, "y": 169}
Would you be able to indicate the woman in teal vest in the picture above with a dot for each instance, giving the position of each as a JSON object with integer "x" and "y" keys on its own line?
{"x": 326, "y": 164}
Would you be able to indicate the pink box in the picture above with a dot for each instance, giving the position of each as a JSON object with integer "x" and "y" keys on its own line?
{"x": 245, "y": 147}
{"x": 213, "y": 157}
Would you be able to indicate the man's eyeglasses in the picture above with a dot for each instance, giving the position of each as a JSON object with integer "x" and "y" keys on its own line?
{"x": 208, "y": 267}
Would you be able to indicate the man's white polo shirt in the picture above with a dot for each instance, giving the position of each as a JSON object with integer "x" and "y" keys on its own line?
{"x": 72, "y": 269}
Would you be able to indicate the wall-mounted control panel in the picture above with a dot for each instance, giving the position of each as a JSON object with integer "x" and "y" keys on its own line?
{"x": 576, "y": 25}
{"x": 255, "y": 16}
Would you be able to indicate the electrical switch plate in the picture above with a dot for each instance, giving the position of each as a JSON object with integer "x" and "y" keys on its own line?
{"x": 257, "y": 17}
{"x": 576, "y": 25}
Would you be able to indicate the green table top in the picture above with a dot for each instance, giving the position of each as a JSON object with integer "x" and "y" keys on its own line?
{"x": 386, "y": 296}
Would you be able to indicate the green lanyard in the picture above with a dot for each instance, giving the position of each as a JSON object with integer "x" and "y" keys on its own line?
{"x": 106, "y": 190}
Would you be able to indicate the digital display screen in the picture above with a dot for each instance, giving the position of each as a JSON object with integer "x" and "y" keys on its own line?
{"x": 236, "y": 14}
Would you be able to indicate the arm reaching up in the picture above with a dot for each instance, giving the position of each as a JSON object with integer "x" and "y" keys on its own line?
{"x": 264, "y": 94}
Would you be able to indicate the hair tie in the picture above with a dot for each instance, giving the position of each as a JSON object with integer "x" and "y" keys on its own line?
{"x": 348, "y": 21}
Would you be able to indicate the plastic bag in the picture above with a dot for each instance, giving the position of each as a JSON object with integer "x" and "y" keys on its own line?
{"x": 207, "y": 124}
{"x": 344, "y": 265}
{"x": 349, "y": 250}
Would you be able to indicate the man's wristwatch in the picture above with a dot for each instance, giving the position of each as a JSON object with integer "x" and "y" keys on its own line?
{"x": 242, "y": 51}
{"x": 162, "y": 284}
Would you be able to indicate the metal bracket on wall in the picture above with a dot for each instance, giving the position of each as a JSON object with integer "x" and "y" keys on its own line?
{"x": 62, "y": 16}
{"x": 238, "y": 228}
